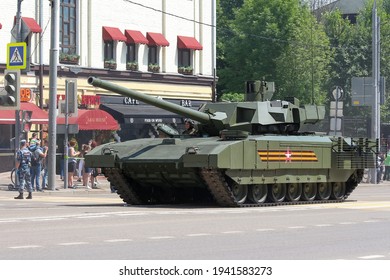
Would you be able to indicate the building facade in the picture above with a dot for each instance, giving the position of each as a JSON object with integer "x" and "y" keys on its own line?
{"x": 163, "y": 48}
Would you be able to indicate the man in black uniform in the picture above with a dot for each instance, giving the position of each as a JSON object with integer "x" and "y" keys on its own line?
{"x": 23, "y": 161}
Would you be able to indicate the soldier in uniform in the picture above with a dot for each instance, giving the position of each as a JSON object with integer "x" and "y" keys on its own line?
{"x": 190, "y": 127}
{"x": 23, "y": 161}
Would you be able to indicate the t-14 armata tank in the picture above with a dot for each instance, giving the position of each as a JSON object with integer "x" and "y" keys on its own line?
{"x": 244, "y": 154}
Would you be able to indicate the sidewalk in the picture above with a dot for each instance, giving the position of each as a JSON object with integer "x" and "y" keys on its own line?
{"x": 102, "y": 186}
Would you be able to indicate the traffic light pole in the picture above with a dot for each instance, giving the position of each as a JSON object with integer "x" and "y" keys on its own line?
{"x": 18, "y": 25}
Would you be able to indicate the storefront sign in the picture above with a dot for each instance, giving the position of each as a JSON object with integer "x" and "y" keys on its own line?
{"x": 87, "y": 100}
{"x": 26, "y": 94}
{"x": 153, "y": 120}
{"x": 90, "y": 100}
{"x": 102, "y": 120}
{"x": 130, "y": 101}
{"x": 185, "y": 103}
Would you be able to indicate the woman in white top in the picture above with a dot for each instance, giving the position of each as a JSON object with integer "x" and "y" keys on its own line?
{"x": 71, "y": 162}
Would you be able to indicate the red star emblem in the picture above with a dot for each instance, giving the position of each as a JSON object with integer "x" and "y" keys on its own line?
{"x": 288, "y": 155}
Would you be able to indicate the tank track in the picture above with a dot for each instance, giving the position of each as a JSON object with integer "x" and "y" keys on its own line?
{"x": 219, "y": 189}
{"x": 353, "y": 181}
{"x": 123, "y": 188}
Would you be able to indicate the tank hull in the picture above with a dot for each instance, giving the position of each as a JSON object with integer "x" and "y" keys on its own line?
{"x": 253, "y": 171}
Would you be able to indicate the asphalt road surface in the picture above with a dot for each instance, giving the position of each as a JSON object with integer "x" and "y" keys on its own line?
{"x": 88, "y": 225}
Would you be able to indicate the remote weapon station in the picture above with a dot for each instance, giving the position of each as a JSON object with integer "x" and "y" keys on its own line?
{"x": 244, "y": 154}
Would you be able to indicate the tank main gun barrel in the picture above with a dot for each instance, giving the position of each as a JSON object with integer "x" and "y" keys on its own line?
{"x": 171, "y": 107}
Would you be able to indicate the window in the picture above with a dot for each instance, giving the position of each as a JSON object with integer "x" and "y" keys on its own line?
{"x": 108, "y": 50}
{"x": 131, "y": 53}
{"x": 68, "y": 47}
{"x": 131, "y": 58}
{"x": 109, "y": 59}
{"x": 184, "y": 59}
{"x": 152, "y": 55}
{"x": 153, "y": 59}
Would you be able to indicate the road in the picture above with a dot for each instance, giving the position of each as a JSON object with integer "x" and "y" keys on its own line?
{"x": 87, "y": 225}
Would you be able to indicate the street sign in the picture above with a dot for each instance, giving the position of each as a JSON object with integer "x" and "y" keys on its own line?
{"x": 336, "y": 109}
{"x": 335, "y": 124}
{"x": 17, "y": 55}
{"x": 337, "y": 93}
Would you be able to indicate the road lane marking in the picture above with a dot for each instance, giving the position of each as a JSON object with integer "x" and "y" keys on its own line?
{"x": 161, "y": 237}
{"x": 297, "y": 227}
{"x": 232, "y": 232}
{"x": 132, "y": 214}
{"x": 198, "y": 234}
{"x": 118, "y": 240}
{"x": 323, "y": 225}
{"x": 25, "y": 247}
{"x": 347, "y": 223}
{"x": 265, "y": 229}
{"x": 371, "y": 221}
{"x": 91, "y": 216}
{"x": 72, "y": 243}
{"x": 9, "y": 221}
{"x": 47, "y": 219}
{"x": 372, "y": 257}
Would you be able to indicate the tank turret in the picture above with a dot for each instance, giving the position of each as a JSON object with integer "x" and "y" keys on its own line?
{"x": 258, "y": 115}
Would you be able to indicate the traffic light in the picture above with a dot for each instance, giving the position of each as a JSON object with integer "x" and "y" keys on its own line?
{"x": 10, "y": 95}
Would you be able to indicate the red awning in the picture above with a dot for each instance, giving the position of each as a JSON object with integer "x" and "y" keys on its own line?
{"x": 156, "y": 39}
{"x": 92, "y": 120}
{"x": 32, "y": 25}
{"x": 38, "y": 116}
{"x": 135, "y": 37}
{"x": 113, "y": 34}
{"x": 184, "y": 42}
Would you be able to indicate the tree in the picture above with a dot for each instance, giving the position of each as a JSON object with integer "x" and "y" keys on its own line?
{"x": 303, "y": 67}
{"x": 225, "y": 14}
{"x": 265, "y": 38}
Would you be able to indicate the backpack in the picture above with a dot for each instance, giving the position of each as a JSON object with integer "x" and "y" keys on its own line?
{"x": 32, "y": 148}
{"x": 24, "y": 156}
{"x": 35, "y": 159}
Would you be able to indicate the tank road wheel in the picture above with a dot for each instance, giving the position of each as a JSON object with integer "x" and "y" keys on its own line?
{"x": 309, "y": 191}
{"x": 324, "y": 191}
{"x": 277, "y": 192}
{"x": 293, "y": 192}
{"x": 338, "y": 190}
{"x": 258, "y": 193}
{"x": 240, "y": 192}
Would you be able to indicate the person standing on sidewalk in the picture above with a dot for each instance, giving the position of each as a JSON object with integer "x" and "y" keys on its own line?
{"x": 386, "y": 177}
{"x": 86, "y": 170}
{"x": 45, "y": 149}
{"x": 36, "y": 165}
{"x": 95, "y": 171}
{"x": 23, "y": 161}
{"x": 71, "y": 163}
{"x": 33, "y": 139}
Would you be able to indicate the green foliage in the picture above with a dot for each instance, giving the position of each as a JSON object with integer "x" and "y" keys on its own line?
{"x": 232, "y": 97}
{"x": 303, "y": 66}
{"x": 274, "y": 40}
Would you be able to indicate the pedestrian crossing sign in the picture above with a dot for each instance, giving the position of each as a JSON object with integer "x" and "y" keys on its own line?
{"x": 16, "y": 55}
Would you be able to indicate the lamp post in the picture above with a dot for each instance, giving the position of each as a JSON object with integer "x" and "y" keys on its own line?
{"x": 54, "y": 45}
